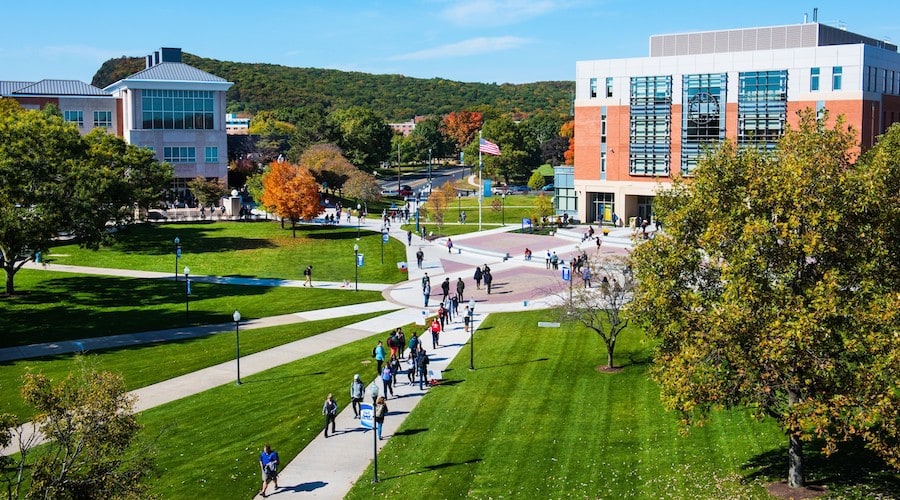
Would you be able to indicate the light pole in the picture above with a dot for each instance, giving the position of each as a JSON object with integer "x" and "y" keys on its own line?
{"x": 177, "y": 255}
{"x": 373, "y": 391}
{"x": 237, "y": 342}
{"x": 383, "y": 239}
{"x": 187, "y": 293}
{"x": 429, "y": 169}
{"x": 503, "y": 209}
{"x": 472, "y": 335}
{"x": 459, "y": 207}
{"x": 358, "y": 219}
{"x": 356, "y": 264}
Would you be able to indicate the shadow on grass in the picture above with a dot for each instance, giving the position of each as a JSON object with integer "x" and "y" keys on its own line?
{"x": 430, "y": 468}
{"x": 310, "y": 486}
{"x": 852, "y": 469}
{"x": 512, "y": 364}
{"x": 410, "y": 432}
{"x": 199, "y": 238}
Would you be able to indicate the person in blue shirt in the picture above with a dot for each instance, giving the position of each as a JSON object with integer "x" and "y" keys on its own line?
{"x": 380, "y": 354}
{"x": 268, "y": 463}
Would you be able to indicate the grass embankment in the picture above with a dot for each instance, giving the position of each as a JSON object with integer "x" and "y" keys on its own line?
{"x": 536, "y": 420}
{"x": 151, "y": 363}
{"x": 53, "y": 307}
{"x": 258, "y": 249}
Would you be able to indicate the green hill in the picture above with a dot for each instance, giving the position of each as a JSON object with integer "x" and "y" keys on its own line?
{"x": 260, "y": 86}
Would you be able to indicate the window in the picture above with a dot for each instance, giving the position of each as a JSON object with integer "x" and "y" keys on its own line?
{"x": 212, "y": 154}
{"x": 179, "y": 155}
{"x": 702, "y": 116}
{"x": 609, "y": 86}
{"x": 593, "y": 88}
{"x": 836, "y": 74}
{"x": 177, "y": 109}
{"x": 762, "y": 107}
{"x": 76, "y": 117}
{"x": 650, "y": 125}
{"x": 102, "y": 119}
{"x": 814, "y": 79}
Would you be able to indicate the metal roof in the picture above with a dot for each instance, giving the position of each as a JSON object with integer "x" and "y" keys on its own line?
{"x": 8, "y": 87}
{"x": 56, "y": 88}
{"x": 173, "y": 71}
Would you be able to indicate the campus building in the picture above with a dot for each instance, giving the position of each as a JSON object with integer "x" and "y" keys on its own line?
{"x": 641, "y": 121}
{"x": 174, "y": 109}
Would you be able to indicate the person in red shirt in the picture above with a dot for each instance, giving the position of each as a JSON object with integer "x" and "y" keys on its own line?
{"x": 435, "y": 333}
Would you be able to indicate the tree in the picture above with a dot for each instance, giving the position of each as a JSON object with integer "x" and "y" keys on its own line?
{"x": 53, "y": 180}
{"x": 439, "y": 202}
{"x": 568, "y": 131}
{"x": 602, "y": 308}
{"x": 362, "y": 134}
{"x": 428, "y": 135}
{"x": 519, "y": 151}
{"x": 543, "y": 207}
{"x": 536, "y": 181}
{"x": 362, "y": 186}
{"x": 274, "y": 135}
{"x": 461, "y": 127}
{"x": 327, "y": 164}
{"x": 292, "y": 192}
{"x": 90, "y": 427}
{"x": 207, "y": 192}
{"x": 762, "y": 291}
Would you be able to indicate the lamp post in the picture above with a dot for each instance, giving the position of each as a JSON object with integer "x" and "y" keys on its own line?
{"x": 459, "y": 207}
{"x": 187, "y": 293}
{"x": 503, "y": 209}
{"x": 356, "y": 264}
{"x": 472, "y": 335}
{"x": 177, "y": 255}
{"x": 373, "y": 391}
{"x": 358, "y": 219}
{"x": 237, "y": 343}
{"x": 429, "y": 169}
{"x": 383, "y": 239}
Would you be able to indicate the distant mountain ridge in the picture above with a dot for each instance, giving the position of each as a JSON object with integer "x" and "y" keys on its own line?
{"x": 259, "y": 86}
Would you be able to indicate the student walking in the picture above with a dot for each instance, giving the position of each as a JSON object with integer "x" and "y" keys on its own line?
{"x": 379, "y": 354}
{"x": 488, "y": 279}
{"x": 268, "y": 464}
{"x": 329, "y": 409}
{"x": 449, "y": 245}
{"x": 381, "y": 410}
{"x": 420, "y": 256}
{"x": 435, "y": 333}
{"x": 422, "y": 366}
{"x": 460, "y": 288}
{"x": 445, "y": 289}
{"x": 478, "y": 277}
{"x": 409, "y": 239}
{"x": 387, "y": 379}
{"x": 307, "y": 274}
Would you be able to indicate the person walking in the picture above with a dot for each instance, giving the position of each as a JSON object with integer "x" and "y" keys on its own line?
{"x": 357, "y": 389}
{"x": 329, "y": 409}
{"x": 478, "y": 277}
{"x": 449, "y": 245}
{"x": 422, "y": 366}
{"x": 386, "y": 380}
{"x": 435, "y": 333}
{"x": 427, "y": 293}
{"x": 401, "y": 341}
{"x": 547, "y": 260}
{"x": 307, "y": 274}
{"x": 413, "y": 346}
{"x": 460, "y": 288}
{"x": 488, "y": 279}
{"x": 586, "y": 275}
{"x": 392, "y": 343}
{"x": 268, "y": 464}
{"x": 379, "y": 354}
{"x": 409, "y": 238}
{"x": 420, "y": 256}
{"x": 445, "y": 289}
{"x": 381, "y": 410}
{"x": 467, "y": 318}
{"x": 426, "y": 280}
{"x": 442, "y": 315}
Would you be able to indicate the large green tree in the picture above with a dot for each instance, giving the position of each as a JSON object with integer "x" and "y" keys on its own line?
{"x": 519, "y": 150}
{"x": 53, "y": 180}
{"x": 762, "y": 291}
{"x": 362, "y": 134}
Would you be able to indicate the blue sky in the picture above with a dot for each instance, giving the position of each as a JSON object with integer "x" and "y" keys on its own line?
{"x": 516, "y": 41}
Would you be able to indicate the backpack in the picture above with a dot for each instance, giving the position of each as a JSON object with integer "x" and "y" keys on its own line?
{"x": 373, "y": 351}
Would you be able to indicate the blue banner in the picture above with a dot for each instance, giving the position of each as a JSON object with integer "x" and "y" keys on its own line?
{"x": 366, "y": 416}
{"x": 360, "y": 260}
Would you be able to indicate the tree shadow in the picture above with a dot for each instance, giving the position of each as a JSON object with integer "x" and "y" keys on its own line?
{"x": 430, "y": 468}
{"x": 514, "y": 363}
{"x": 852, "y": 467}
{"x": 410, "y": 432}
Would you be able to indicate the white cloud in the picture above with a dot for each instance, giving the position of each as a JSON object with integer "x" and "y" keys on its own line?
{"x": 497, "y": 12}
{"x": 472, "y": 46}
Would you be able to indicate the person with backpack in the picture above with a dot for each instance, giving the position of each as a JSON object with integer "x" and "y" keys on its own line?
{"x": 381, "y": 411}
{"x": 413, "y": 346}
{"x": 401, "y": 342}
{"x": 422, "y": 366}
{"x": 329, "y": 409}
{"x": 379, "y": 355}
{"x": 488, "y": 279}
{"x": 392, "y": 343}
{"x": 357, "y": 392}
{"x": 387, "y": 379}
{"x": 478, "y": 278}
{"x": 268, "y": 463}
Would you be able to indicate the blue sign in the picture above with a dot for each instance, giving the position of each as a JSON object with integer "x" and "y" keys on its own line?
{"x": 188, "y": 287}
{"x": 178, "y": 252}
{"x": 360, "y": 260}
{"x": 526, "y": 222}
{"x": 384, "y": 237}
{"x": 366, "y": 416}
{"x": 566, "y": 274}
{"x": 487, "y": 188}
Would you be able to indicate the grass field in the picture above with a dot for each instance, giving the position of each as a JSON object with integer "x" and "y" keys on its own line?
{"x": 536, "y": 420}
{"x": 148, "y": 364}
{"x": 54, "y": 306}
{"x": 257, "y": 249}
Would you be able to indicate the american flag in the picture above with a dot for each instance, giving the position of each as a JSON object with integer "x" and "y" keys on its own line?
{"x": 488, "y": 147}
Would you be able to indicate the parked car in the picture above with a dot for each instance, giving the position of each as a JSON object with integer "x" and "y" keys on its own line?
{"x": 517, "y": 190}
{"x": 498, "y": 190}
{"x": 406, "y": 190}
{"x": 548, "y": 187}
{"x": 390, "y": 192}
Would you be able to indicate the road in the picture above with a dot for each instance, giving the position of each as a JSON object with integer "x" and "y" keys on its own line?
{"x": 417, "y": 180}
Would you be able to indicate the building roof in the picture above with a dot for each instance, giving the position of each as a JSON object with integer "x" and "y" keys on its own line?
{"x": 174, "y": 71}
{"x": 51, "y": 88}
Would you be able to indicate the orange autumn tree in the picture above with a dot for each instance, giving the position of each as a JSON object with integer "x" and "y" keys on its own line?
{"x": 568, "y": 130}
{"x": 291, "y": 192}
{"x": 462, "y": 126}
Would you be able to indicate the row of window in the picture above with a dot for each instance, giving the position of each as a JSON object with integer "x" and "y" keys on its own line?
{"x": 187, "y": 154}
{"x": 882, "y": 80}
{"x": 102, "y": 119}
{"x": 837, "y": 73}
{"x": 177, "y": 109}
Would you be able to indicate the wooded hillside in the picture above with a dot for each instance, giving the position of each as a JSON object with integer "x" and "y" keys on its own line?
{"x": 260, "y": 86}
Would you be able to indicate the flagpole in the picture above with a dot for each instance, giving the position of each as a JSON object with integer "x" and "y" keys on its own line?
{"x": 480, "y": 184}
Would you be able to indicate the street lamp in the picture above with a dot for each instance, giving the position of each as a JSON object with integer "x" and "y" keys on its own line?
{"x": 187, "y": 293}
{"x": 373, "y": 391}
{"x": 177, "y": 255}
{"x": 503, "y": 209}
{"x": 429, "y": 168}
{"x": 356, "y": 264}
{"x": 237, "y": 342}
{"x": 459, "y": 207}
{"x": 472, "y": 335}
{"x": 383, "y": 239}
{"x": 358, "y": 219}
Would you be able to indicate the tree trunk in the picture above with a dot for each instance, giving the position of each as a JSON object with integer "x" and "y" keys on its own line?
{"x": 610, "y": 347}
{"x": 795, "y": 463}
{"x": 10, "y": 281}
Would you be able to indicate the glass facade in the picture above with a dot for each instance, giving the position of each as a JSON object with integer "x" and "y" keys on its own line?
{"x": 76, "y": 117}
{"x": 650, "y": 134}
{"x": 212, "y": 154}
{"x": 179, "y": 155}
{"x": 177, "y": 109}
{"x": 603, "y": 205}
{"x": 762, "y": 107}
{"x": 702, "y": 116}
{"x": 565, "y": 201}
{"x": 102, "y": 119}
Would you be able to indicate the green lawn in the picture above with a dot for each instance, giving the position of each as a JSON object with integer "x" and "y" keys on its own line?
{"x": 151, "y": 363}
{"x": 536, "y": 420}
{"x": 258, "y": 249}
{"x": 53, "y": 306}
